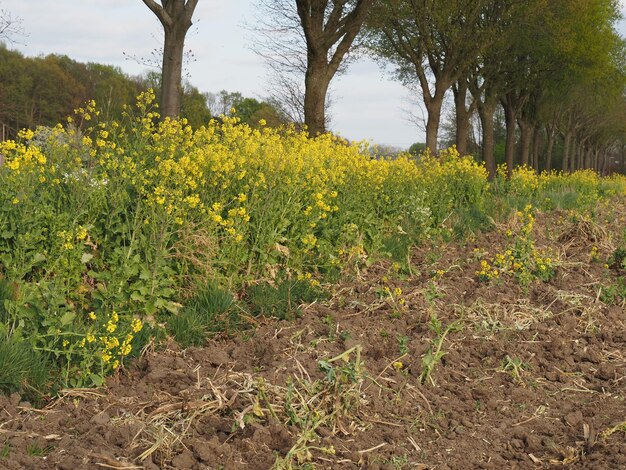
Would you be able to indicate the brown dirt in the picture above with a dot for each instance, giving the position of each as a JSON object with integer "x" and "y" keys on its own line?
{"x": 532, "y": 377}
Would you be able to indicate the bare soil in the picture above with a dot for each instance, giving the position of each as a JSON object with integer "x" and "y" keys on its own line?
{"x": 531, "y": 377}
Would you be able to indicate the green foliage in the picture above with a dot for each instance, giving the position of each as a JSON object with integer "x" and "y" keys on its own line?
{"x": 417, "y": 149}
{"x": 618, "y": 258}
{"x": 23, "y": 370}
{"x": 109, "y": 231}
{"x": 472, "y": 220}
{"x": 211, "y": 310}
{"x": 282, "y": 299}
{"x": 615, "y": 292}
{"x": 522, "y": 259}
{"x": 5, "y": 451}
{"x": 435, "y": 352}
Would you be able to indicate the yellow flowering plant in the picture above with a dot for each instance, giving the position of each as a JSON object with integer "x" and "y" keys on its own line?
{"x": 135, "y": 216}
{"x": 521, "y": 259}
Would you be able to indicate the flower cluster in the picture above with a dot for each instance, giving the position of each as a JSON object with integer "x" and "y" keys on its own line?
{"x": 523, "y": 259}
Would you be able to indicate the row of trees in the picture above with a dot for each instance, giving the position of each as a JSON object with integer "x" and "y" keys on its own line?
{"x": 556, "y": 68}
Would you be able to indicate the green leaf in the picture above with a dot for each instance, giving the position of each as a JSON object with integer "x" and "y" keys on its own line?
{"x": 38, "y": 258}
{"x": 67, "y": 318}
{"x": 86, "y": 258}
{"x": 97, "y": 380}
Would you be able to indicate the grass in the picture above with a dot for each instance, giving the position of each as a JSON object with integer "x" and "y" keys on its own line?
{"x": 5, "y": 451}
{"x": 210, "y": 311}
{"x": 471, "y": 221}
{"x": 283, "y": 299}
{"x": 23, "y": 370}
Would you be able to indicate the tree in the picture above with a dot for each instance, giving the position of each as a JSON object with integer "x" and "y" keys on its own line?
{"x": 438, "y": 39}
{"x": 417, "y": 149}
{"x": 223, "y": 102}
{"x": 175, "y": 17}
{"x": 10, "y": 26}
{"x": 314, "y": 40}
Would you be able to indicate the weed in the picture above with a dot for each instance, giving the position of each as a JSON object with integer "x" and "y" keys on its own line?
{"x": 614, "y": 293}
{"x": 211, "y": 310}
{"x": 618, "y": 428}
{"x": 515, "y": 367}
{"x": 432, "y": 293}
{"x": 470, "y": 221}
{"x": 5, "y": 451}
{"x": 23, "y": 370}
{"x": 35, "y": 451}
{"x": 283, "y": 299}
{"x": 321, "y": 403}
{"x": 397, "y": 462}
{"x": 617, "y": 260}
{"x": 435, "y": 352}
{"x": 522, "y": 259}
{"x": 403, "y": 344}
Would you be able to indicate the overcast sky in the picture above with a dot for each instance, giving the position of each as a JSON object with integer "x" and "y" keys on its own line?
{"x": 367, "y": 104}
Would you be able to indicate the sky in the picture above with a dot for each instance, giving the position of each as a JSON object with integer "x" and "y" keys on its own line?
{"x": 367, "y": 103}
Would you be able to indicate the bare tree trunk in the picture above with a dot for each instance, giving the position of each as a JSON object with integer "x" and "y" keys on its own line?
{"x": 171, "y": 81}
{"x": 175, "y": 17}
{"x": 536, "y": 147}
{"x": 486, "y": 112}
{"x": 589, "y": 158}
{"x": 567, "y": 144}
{"x": 329, "y": 29}
{"x": 509, "y": 149}
{"x": 580, "y": 156}
{"x": 316, "y": 84}
{"x": 550, "y": 148}
{"x": 526, "y": 131}
{"x": 434, "y": 118}
{"x": 462, "y": 116}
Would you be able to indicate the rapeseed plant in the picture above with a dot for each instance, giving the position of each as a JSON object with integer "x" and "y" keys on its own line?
{"x": 104, "y": 224}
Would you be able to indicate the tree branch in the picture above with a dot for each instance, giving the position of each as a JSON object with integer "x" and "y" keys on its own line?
{"x": 159, "y": 11}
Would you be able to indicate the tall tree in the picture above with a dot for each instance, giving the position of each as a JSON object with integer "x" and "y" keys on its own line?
{"x": 175, "y": 17}
{"x": 330, "y": 28}
{"x": 307, "y": 43}
{"x": 438, "y": 39}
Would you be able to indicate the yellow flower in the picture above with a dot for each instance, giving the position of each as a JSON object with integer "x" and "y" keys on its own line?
{"x": 81, "y": 233}
{"x": 136, "y": 325}
{"x": 92, "y": 315}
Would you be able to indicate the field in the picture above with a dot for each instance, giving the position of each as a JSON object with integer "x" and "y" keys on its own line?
{"x": 255, "y": 299}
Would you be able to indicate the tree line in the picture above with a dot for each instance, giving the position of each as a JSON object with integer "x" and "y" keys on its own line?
{"x": 42, "y": 91}
{"x": 555, "y": 70}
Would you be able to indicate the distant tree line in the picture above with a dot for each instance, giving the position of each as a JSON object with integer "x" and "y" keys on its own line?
{"x": 552, "y": 71}
{"x": 45, "y": 90}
